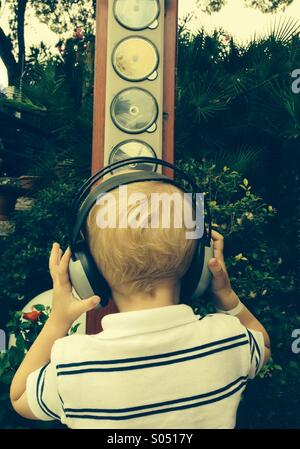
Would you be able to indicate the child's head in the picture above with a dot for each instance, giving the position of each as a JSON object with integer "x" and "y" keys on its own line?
{"x": 141, "y": 256}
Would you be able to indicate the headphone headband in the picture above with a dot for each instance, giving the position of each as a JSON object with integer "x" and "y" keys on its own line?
{"x": 79, "y": 204}
{"x": 84, "y": 190}
{"x": 106, "y": 187}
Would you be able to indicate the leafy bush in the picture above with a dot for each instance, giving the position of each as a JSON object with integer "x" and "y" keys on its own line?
{"x": 24, "y": 254}
{"x": 258, "y": 272}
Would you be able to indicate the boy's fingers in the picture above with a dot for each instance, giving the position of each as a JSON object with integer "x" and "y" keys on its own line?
{"x": 220, "y": 278}
{"x": 86, "y": 305}
{"x": 215, "y": 267}
{"x": 53, "y": 260}
{"x": 216, "y": 235}
{"x": 217, "y": 271}
{"x": 218, "y": 242}
{"x": 63, "y": 269}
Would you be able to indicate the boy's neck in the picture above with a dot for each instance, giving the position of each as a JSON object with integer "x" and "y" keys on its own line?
{"x": 165, "y": 294}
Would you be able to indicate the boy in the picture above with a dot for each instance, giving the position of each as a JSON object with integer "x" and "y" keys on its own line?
{"x": 155, "y": 364}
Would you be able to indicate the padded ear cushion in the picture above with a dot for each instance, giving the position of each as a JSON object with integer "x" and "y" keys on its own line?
{"x": 197, "y": 279}
{"x": 85, "y": 276}
{"x": 191, "y": 278}
{"x": 205, "y": 278}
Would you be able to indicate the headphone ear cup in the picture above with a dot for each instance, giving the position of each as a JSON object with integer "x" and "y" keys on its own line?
{"x": 198, "y": 277}
{"x": 85, "y": 276}
{"x": 205, "y": 277}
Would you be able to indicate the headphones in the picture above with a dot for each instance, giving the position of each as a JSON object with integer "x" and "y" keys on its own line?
{"x": 85, "y": 276}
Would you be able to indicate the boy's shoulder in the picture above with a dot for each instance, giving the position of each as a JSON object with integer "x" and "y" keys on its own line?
{"x": 220, "y": 325}
{"x": 71, "y": 347}
{"x": 209, "y": 328}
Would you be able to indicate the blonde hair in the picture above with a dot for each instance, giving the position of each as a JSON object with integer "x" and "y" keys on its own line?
{"x": 140, "y": 257}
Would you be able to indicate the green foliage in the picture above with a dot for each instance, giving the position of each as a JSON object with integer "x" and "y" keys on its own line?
{"x": 235, "y": 107}
{"x": 56, "y": 101}
{"x": 255, "y": 266}
{"x": 64, "y": 15}
{"x": 29, "y": 246}
{"x": 265, "y": 6}
{"x": 231, "y": 98}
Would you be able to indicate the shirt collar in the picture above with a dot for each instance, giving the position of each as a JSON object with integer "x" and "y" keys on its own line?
{"x": 149, "y": 320}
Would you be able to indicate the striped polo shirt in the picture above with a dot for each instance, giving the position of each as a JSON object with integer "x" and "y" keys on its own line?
{"x": 161, "y": 368}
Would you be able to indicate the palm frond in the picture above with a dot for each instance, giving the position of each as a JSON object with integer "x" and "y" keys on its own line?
{"x": 240, "y": 158}
{"x": 284, "y": 29}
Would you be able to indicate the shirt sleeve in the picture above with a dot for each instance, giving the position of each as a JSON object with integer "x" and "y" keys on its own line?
{"x": 254, "y": 345}
{"x": 257, "y": 352}
{"x": 42, "y": 393}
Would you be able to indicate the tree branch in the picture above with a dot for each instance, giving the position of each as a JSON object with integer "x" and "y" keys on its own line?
{"x": 20, "y": 31}
{"x": 7, "y": 57}
{"x": 95, "y": 6}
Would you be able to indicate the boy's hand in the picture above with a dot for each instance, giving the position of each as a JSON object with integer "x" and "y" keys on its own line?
{"x": 221, "y": 287}
{"x": 65, "y": 307}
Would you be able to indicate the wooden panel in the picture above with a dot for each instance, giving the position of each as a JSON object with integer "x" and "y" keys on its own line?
{"x": 99, "y": 85}
{"x": 170, "y": 63}
{"x": 93, "y": 320}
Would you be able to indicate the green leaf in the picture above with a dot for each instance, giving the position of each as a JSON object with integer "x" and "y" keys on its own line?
{"x": 73, "y": 329}
{"x": 39, "y": 307}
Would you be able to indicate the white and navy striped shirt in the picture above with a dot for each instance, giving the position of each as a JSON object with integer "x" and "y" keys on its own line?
{"x": 163, "y": 368}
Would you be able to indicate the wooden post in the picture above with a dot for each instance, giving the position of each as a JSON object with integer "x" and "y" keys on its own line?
{"x": 170, "y": 64}
{"x": 93, "y": 323}
{"x": 99, "y": 85}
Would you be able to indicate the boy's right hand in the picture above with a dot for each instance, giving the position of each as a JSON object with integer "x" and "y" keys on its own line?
{"x": 66, "y": 308}
{"x": 221, "y": 289}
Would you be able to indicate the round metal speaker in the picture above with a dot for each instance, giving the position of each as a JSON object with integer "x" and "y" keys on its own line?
{"x": 136, "y": 14}
{"x": 135, "y": 58}
{"x": 133, "y": 148}
{"x": 134, "y": 110}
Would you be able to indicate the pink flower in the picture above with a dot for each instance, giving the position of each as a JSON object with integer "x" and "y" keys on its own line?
{"x": 78, "y": 33}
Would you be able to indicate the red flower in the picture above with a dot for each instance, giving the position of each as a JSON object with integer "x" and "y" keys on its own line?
{"x": 78, "y": 33}
{"x": 32, "y": 316}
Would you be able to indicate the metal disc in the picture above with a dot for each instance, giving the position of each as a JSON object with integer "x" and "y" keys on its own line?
{"x": 135, "y": 59}
{"x": 136, "y": 14}
{"x": 133, "y": 148}
{"x": 134, "y": 110}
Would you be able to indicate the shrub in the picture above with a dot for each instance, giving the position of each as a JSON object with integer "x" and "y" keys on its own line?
{"x": 24, "y": 254}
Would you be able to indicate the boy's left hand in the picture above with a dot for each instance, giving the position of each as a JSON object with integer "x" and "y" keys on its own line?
{"x": 224, "y": 296}
{"x": 65, "y": 307}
